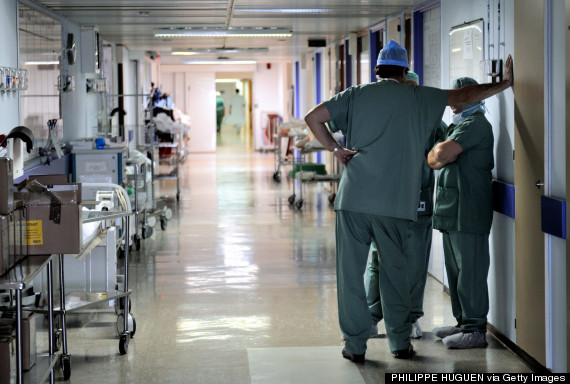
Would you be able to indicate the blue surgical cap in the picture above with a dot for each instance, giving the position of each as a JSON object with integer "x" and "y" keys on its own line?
{"x": 393, "y": 54}
{"x": 463, "y": 82}
{"x": 412, "y": 76}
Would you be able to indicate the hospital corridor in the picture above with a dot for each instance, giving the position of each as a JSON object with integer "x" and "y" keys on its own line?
{"x": 257, "y": 191}
{"x": 241, "y": 288}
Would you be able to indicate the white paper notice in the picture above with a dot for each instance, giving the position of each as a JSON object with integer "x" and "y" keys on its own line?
{"x": 468, "y": 44}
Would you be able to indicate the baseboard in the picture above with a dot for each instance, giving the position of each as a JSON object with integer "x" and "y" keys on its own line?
{"x": 530, "y": 361}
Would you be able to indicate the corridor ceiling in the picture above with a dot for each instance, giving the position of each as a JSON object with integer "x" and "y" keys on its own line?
{"x": 132, "y": 22}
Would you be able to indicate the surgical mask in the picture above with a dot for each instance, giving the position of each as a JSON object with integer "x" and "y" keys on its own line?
{"x": 457, "y": 118}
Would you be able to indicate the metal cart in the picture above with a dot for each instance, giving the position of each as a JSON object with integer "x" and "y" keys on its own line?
{"x": 126, "y": 325}
{"x": 305, "y": 177}
{"x": 17, "y": 278}
{"x": 285, "y": 132}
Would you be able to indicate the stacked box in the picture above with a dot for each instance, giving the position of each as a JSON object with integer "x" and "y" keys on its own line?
{"x": 46, "y": 236}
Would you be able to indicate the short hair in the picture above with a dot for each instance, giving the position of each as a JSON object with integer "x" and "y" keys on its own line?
{"x": 387, "y": 71}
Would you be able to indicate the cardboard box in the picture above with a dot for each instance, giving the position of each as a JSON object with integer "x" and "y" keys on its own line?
{"x": 4, "y": 243}
{"x": 29, "y": 347}
{"x": 7, "y": 359}
{"x": 6, "y": 186}
{"x": 45, "y": 235}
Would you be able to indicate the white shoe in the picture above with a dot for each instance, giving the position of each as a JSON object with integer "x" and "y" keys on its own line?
{"x": 416, "y": 331}
{"x": 466, "y": 340}
{"x": 443, "y": 332}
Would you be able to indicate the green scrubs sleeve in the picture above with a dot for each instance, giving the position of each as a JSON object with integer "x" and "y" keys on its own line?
{"x": 339, "y": 109}
{"x": 468, "y": 134}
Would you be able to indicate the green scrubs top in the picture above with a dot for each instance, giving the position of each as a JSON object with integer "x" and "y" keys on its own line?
{"x": 389, "y": 124}
{"x": 464, "y": 198}
{"x": 425, "y": 207}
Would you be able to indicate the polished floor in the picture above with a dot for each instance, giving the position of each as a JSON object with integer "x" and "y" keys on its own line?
{"x": 240, "y": 288}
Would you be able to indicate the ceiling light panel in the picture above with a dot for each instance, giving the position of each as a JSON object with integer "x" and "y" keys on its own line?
{"x": 233, "y": 32}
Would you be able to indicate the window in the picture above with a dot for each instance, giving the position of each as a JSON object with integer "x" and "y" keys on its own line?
{"x": 40, "y": 53}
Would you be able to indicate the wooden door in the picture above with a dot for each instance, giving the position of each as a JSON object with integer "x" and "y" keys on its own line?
{"x": 529, "y": 168}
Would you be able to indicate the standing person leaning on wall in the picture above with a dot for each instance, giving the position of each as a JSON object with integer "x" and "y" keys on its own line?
{"x": 387, "y": 125}
{"x": 463, "y": 213}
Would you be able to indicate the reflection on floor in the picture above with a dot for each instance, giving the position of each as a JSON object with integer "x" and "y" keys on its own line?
{"x": 240, "y": 288}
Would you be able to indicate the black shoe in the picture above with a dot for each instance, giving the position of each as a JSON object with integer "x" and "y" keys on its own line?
{"x": 358, "y": 359}
{"x": 407, "y": 353}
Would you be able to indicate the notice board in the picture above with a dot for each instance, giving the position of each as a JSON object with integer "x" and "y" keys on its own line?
{"x": 466, "y": 51}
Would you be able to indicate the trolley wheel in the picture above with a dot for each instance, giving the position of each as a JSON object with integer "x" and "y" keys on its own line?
{"x": 277, "y": 176}
{"x": 291, "y": 199}
{"x": 146, "y": 232}
{"x": 332, "y": 198}
{"x": 151, "y": 222}
{"x": 131, "y": 323}
{"x": 163, "y": 224}
{"x": 123, "y": 344}
{"x": 299, "y": 204}
{"x": 65, "y": 366}
{"x": 137, "y": 240}
{"x": 168, "y": 213}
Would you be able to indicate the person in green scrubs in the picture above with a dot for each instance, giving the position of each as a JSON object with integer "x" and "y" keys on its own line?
{"x": 463, "y": 213}
{"x": 220, "y": 111}
{"x": 386, "y": 125}
{"x": 418, "y": 246}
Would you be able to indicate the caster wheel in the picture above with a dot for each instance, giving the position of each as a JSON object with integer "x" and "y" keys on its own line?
{"x": 151, "y": 222}
{"x": 332, "y": 198}
{"x": 123, "y": 344}
{"x": 299, "y": 204}
{"x": 146, "y": 232}
{"x": 291, "y": 199}
{"x": 277, "y": 177}
{"x": 66, "y": 366}
{"x": 137, "y": 241}
{"x": 168, "y": 213}
{"x": 131, "y": 323}
{"x": 163, "y": 224}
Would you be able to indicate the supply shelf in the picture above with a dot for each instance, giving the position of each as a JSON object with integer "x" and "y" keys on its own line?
{"x": 17, "y": 278}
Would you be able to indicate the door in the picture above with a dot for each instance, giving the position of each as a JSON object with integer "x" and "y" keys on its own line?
{"x": 529, "y": 168}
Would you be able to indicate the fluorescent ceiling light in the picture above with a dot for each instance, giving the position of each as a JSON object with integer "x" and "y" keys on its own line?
{"x": 227, "y": 80}
{"x": 41, "y": 62}
{"x": 283, "y": 10}
{"x": 219, "y": 62}
{"x": 190, "y": 52}
{"x": 234, "y": 32}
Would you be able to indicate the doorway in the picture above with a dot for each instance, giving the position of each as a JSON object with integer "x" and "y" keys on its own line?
{"x": 233, "y": 98}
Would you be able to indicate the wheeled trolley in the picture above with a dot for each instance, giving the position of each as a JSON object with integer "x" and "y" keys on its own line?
{"x": 74, "y": 301}
{"x": 304, "y": 174}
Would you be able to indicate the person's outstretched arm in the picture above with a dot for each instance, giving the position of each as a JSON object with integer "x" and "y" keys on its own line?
{"x": 472, "y": 93}
{"x": 316, "y": 119}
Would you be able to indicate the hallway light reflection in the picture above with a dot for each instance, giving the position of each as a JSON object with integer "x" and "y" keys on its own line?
{"x": 219, "y": 328}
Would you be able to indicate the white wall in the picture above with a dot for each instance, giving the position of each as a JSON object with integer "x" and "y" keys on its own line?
{"x": 269, "y": 92}
{"x": 9, "y": 102}
{"x": 501, "y": 116}
{"x": 199, "y": 99}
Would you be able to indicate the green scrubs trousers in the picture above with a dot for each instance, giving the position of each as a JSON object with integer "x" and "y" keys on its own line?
{"x": 467, "y": 264}
{"x": 354, "y": 233}
{"x": 417, "y": 251}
